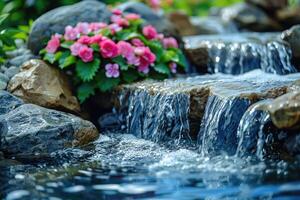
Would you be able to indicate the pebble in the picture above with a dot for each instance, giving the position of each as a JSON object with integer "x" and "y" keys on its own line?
{"x": 10, "y": 72}
{"x": 3, "y": 85}
{"x": 4, "y": 77}
{"x": 19, "y": 60}
{"x": 3, "y": 68}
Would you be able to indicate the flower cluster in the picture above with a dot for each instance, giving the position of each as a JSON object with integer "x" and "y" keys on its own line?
{"x": 105, "y": 55}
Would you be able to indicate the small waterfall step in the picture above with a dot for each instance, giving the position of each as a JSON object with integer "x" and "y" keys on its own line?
{"x": 206, "y": 108}
{"x": 240, "y": 53}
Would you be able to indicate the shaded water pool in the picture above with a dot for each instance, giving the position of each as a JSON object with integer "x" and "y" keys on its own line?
{"x": 121, "y": 166}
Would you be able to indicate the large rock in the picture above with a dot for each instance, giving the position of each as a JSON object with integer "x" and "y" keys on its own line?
{"x": 285, "y": 111}
{"x": 239, "y": 53}
{"x": 30, "y": 130}
{"x": 213, "y": 25}
{"x": 161, "y": 23}
{"x": 270, "y": 5}
{"x": 44, "y": 85}
{"x": 182, "y": 23}
{"x": 249, "y": 17}
{"x": 56, "y": 20}
{"x": 292, "y": 37}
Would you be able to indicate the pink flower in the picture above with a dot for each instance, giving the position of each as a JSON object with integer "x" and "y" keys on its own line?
{"x": 71, "y": 33}
{"x": 83, "y": 28}
{"x": 146, "y": 59}
{"x": 75, "y": 48}
{"x": 170, "y": 43}
{"x": 109, "y": 49}
{"x": 97, "y": 26}
{"x": 96, "y": 39}
{"x": 125, "y": 49}
{"x": 173, "y": 67}
{"x": 155, "y": 4}
{"x": 119, "y": 20}
{"x": 86, "y": 54}
{"x": 53, "y": 44}
{"x": 133, "y": 60}
{"x": 137, "y": 42}
{"x": 132, "y": 17}
{"x": 117, "y": 12}
{"x": 115, "y": 28}
{"x": 160, "y": 36}
{"x": 84, "y": 40}
{"x": 112, "y": 71}
{"x": 150, "y": 32}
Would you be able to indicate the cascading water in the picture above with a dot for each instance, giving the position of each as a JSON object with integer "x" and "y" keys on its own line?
{"x": 243, "y": 53}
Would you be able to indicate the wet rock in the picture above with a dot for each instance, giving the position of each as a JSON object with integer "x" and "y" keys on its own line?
{"x": 44, "y": 85}
{"x": 239, "y": 53}
{"x": 8, "y": 102}
{"x": 56, "y": 20}
{"x": 213, "y": 25}
{"x": 10, "y": 72}
{"x": 110, "y": 121}
{"x": 249, "y": 17}
{"x": 17, "y": 52}
{"x": 176, "y": 108}
{"x": 269, "y": 5}
{"x": 289, "y": 16}
{"x": 285, "y": 111}
{"x": 292, "y": 37}
{"x": 182, "y": 23}
{"x": 161, "y": 23}
{"x": 31, "y": 130}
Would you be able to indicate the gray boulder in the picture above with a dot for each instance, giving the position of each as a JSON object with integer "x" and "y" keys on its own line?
{"x": 161, "y": 23}
{"x": 56, "y": 20}
{"x": 30, "y": 130}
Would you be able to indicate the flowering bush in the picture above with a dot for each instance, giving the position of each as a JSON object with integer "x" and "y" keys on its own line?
{"x": 105, "y": 55}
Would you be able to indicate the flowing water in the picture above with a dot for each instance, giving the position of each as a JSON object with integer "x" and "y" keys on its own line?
{"x": 125, "y": 167}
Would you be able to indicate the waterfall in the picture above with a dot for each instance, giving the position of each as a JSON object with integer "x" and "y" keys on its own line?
{"x": 243, "y": 53}
{"x": 220, "y": 123}
{"x": 251, "y": 133}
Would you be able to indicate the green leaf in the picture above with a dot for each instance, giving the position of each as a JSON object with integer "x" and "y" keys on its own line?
{"x": 121, "y": 62}
{"x": 87, "y": 71}
{"x": 50, "y": 57}
{"x": 105, "y": 32}
{"x": 106, "y": 84}
{"x": 66, "y": 59}
{"x": 95, "y": 47}
{"x": 169, "y": 55}
{"x": 157, "y": 49}
{"x": 130, "y": 75}
{"x": 67, "y": 44}
{"x": 162, "y": 68}
{"x": 3, "y": 17}
{"x": 84, "y": 91}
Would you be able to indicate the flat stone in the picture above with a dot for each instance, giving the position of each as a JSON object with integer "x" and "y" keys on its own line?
{"x": 30, "y": 130}
{"x": 56, "y": 20}
{"x": 44, "y": 85}
{"x": 10, "y": 72}
{"x": 239, "y": 53}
